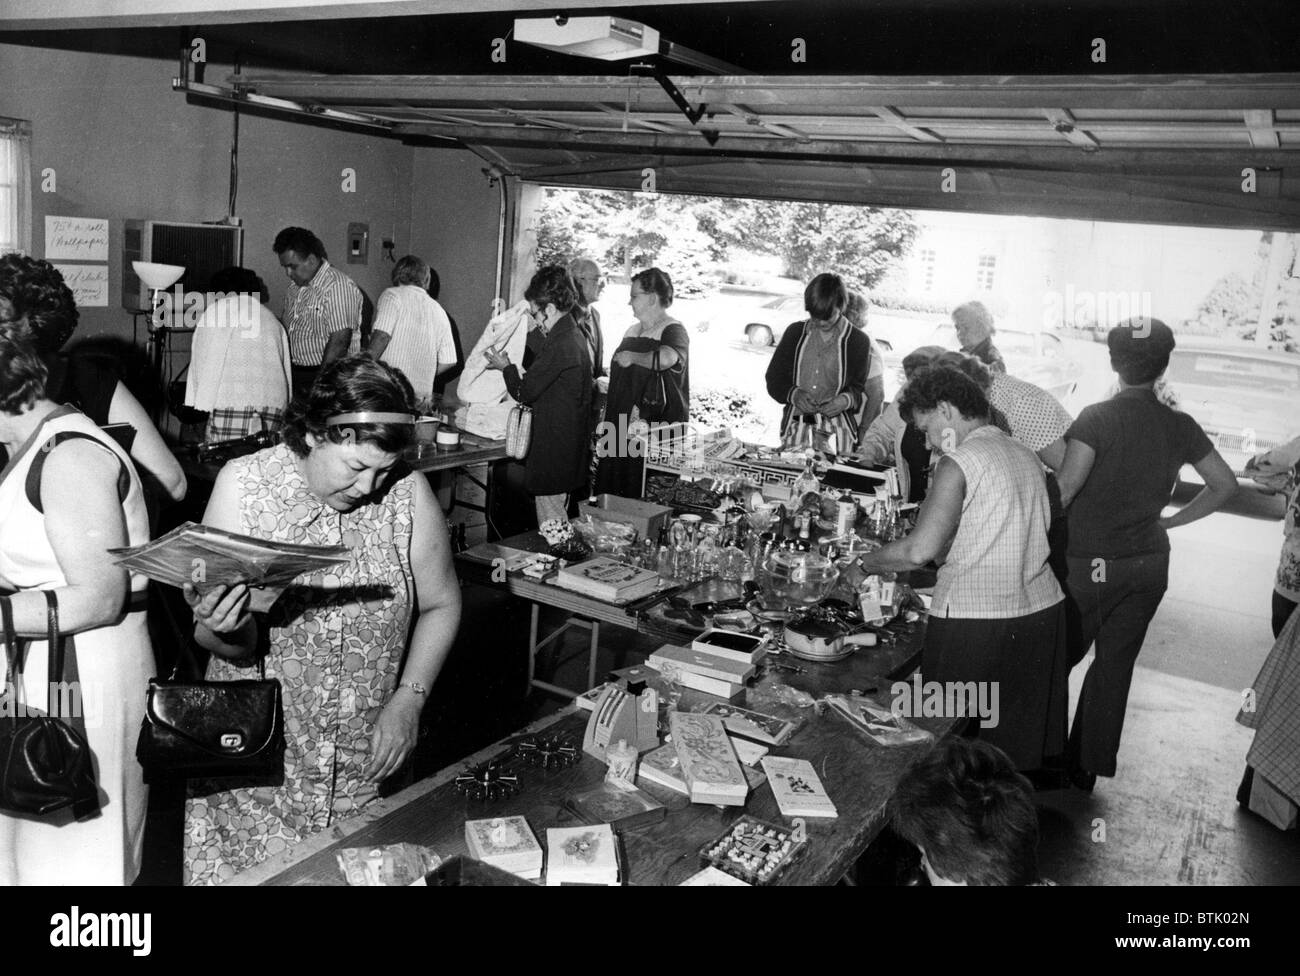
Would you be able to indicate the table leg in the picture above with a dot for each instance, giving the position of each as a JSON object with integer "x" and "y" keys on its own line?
{"x": 595, "y": 646}
{"x": 532, "y": 649}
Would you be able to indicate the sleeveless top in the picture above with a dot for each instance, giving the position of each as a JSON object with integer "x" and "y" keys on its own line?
{"x": 996, "y": 568}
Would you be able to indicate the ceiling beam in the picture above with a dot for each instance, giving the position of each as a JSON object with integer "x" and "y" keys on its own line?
{"x": 821, "y": 94}
{"x": 1063, "y": 122}
{"x": 895, "y": 119}
{"x": 750, "y": 117}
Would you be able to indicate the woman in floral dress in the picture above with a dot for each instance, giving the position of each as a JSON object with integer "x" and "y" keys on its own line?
{"x": 336, "y": 639}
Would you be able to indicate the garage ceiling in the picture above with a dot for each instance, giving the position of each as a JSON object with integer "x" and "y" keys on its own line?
{"x": 1217, "y": 150}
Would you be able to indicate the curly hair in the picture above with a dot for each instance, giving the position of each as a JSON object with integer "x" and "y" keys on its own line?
{"x": 22, "y": 375}
{"x": 301, "y": 241}
{"x": 970, "y": 365}
{"x": 931, "y": 385}
{"x": 350, "y": 385}
{"x": 970, "y": 811}
{"x": 552, "y": 286}
{"x": 44, "y": 311}
{"x": 656, "y": 282}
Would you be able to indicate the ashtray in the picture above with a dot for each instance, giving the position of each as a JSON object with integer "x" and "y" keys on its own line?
{"x": 753, "y": 851}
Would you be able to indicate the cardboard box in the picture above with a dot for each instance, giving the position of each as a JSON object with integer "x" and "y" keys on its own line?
{"x": 645, "y": 517}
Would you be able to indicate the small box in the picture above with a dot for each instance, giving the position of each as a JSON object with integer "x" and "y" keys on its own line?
{"x": 645, "y": 517}
{"x": 745, "y": 648}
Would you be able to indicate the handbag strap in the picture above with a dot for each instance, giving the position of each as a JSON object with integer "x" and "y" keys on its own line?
{"x": 12, "y": 660}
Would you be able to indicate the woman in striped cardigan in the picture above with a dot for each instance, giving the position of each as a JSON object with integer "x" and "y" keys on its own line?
{"x": 819, "y": 370}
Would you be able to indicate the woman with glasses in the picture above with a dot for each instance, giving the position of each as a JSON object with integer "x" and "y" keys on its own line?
{"x": 558, "y": 387}
{"x": 648, "y": 381}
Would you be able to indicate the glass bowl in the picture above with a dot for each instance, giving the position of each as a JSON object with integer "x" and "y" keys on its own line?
{"x": 797, "y": 579}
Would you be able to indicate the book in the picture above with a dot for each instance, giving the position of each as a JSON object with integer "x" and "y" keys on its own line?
{"x": 205, "y": 557}
{"x": 710, "y": 768}
{"x": 711, "y": 877}
{"x": 671, "y": 658}
{"x": 743, "y": 648}
{"x": 507, "y": 843}
{"x": 662, "y": 767}
{"x": 747, "y": 752}
{"x": 609, "y": 804}
{"x": 586, "y": 855}
{"x": 750, "y": 724}
{"x": 797, "y": 788}
{"x": 603, "y": 578}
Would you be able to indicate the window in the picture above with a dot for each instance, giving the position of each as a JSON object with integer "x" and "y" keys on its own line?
{"x": 15, "y": 186}
{"x": 927, "y": 269}
{"x": 984, "y": 273}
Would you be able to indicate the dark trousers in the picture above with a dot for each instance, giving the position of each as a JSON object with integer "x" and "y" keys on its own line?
{"x": 1282, "y": 609}
{"x": 303, "y": 377}
{"x": 1111, "y": 603}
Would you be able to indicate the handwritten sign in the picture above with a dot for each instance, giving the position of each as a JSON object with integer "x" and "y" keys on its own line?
{"x": 89, "y": 283}
{"x": 76, "y": 239}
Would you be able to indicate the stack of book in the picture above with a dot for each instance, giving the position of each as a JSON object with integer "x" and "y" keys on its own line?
{"x": 581, "y": 856}
{"x": 607, "y": 579}
{"x": 702, "y": 671}
{"x": 507, "y": 843}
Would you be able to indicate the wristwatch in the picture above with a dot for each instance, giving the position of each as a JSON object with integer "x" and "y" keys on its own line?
{"x": 415, "y": 686}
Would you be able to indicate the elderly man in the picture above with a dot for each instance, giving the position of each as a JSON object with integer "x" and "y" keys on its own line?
{"x": 590, "y": 283}
{"x": 974, "y": 324}
{"x": 322, "y": 308}
{"x": 411, "y": 330}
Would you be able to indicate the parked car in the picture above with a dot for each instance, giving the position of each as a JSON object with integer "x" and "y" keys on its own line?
{"x": 1040, "y": 358}
{"x": 1246, "y": 399}
{"x": 767, "y": 323}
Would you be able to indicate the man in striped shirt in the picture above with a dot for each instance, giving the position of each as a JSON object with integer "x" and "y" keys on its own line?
{"x": 322, "y": 308}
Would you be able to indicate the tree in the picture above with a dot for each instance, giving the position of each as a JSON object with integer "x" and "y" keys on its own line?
{"x": 860, "y": 244}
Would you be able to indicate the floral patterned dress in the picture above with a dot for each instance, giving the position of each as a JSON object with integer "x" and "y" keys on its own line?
{"x": 336, "y": 643}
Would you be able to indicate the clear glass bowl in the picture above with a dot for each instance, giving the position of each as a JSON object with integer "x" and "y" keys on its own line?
{"x": 797, "y": 579}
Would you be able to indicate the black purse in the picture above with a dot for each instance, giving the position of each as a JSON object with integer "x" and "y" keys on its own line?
{"x": 211, "y": 729}
{"x": 45, "y": 762}
{"x": 654, "y": 401}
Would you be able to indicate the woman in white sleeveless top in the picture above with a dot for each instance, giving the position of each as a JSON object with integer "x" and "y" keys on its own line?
{"x": 68, "y": 494}
{"x": 997, "y": 619}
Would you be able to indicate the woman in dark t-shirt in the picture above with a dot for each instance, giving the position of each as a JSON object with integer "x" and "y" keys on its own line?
{"x": 1121, "y": 465}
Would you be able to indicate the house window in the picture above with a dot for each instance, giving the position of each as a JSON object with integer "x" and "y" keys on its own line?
{"x": 15, "y": 186}
{"x": 984, "y": 273}
{"x": 927, "y": 269}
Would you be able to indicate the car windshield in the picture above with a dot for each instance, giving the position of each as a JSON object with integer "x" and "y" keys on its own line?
{"x": 786, "y": 303}
{"x": 1228, "y": 371}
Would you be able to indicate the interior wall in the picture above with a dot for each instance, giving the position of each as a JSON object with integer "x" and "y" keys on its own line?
{"x": 123, "y": 145}
{"x": 454, "y": 220}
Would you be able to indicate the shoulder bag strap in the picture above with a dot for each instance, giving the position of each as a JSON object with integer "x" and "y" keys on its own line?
{"x": 33, "y": 484}
{"x": 13, "y": 659}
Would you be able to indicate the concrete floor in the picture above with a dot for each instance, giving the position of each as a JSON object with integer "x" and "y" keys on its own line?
{"x": 1169, "y": 817}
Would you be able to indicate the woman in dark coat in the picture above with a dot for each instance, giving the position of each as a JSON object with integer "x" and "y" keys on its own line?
{"x": 558, "y": 388}
{"x": 819, "y": 370}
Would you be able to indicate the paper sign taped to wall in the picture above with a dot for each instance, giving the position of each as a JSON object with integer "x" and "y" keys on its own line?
{"x": 89, "y": 283}
{"x": 76, "y": 239}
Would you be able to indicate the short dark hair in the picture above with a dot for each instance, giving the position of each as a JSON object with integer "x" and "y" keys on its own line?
{"x": 1140, "y": 349}
{"x": 932, "y": 384}
{"x": 552, "y": 286}
{"x": 410, "y": 270}
{"x": 657, "y": 283}
{"x": 971, "y": 812}
{"x": 238, "y": 281}
{"x": 968, "y": 364}
{"x": 22, "y": 374}
{"x": 826, "y": 297}
{"x": 45, "y": 313}
{"x": 299, "y": 240}
{"x": 349, "y": 385}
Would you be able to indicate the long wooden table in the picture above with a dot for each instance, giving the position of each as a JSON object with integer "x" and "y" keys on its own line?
{"x": 859, "y": 775}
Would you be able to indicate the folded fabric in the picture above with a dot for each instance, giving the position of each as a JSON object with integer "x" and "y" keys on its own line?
{"x": 478, "y": 384}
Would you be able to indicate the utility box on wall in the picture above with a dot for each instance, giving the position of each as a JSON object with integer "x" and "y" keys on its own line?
{"x": 358, "y": 247}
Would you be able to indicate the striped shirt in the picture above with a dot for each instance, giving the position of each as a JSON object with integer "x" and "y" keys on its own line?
{"x": 329, "y": 303}
{"x": 420, "y": 335}
{"x": 1027, "y": 412}
{"x": 997, "y": 565}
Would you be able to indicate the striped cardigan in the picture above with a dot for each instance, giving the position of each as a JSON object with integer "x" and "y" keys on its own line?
{"x": 853, "y": 356}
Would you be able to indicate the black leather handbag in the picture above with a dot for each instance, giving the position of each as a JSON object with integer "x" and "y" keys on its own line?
{"x": 654, "y": 400}
{"x": 212, "y": 729}
{"x": 45, "y": 761}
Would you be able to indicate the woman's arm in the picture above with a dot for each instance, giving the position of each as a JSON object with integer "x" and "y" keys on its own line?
{"x": 1220, "y": 486}
{"x": 222, "y": 622}
{"x": 780, "y": 369}
{"x": 437, "y": 593}
{"x": 83, "y": 519}
{"x": 935, "y": 526}
{"x": 876, "y": 443}
{"x": 148, "y": 450}
{"x": 1073, "y": 473}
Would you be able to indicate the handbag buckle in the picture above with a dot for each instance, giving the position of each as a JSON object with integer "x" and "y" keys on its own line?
{"x": 232, "y": 740}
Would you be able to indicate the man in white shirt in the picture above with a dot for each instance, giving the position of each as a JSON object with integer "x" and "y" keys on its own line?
{"x": 411, "y": 331}
{"x": 322, "y": 308}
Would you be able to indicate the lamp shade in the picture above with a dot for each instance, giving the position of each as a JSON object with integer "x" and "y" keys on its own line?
{"x": 158, "y": 276}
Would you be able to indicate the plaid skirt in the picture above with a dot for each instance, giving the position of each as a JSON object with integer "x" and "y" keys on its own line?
{"x": 229, "y": 424}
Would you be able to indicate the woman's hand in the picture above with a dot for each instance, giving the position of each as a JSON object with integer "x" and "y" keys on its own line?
{"x": 802, "y": 401}
{"x": 835, "y": 406}
{"x": 222, "y": 610}
{"x": 496, "y": 358}
{"x": 395, "y": 734}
